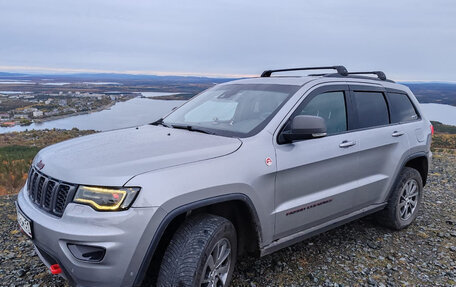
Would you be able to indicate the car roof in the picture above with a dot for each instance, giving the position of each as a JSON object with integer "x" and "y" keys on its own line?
{"x": 302, "y": 80}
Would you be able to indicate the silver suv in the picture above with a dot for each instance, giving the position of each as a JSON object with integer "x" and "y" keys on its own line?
{"x": 249, "y": 166}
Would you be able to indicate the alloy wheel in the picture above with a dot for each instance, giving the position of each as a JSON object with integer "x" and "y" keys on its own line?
{"x": 409, "y": 199}
{"x": 217, "y": 266}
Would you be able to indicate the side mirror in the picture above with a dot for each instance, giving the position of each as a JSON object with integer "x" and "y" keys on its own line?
{"x": 305, "y": 127}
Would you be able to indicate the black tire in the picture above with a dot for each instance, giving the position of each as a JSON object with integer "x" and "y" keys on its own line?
{"x": 394, "y": 215}
{"x": 189, "y": 250}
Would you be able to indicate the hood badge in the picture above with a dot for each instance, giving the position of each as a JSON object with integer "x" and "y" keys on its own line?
{"x": 268, "y": 161}
{"x": 40, "y": 165}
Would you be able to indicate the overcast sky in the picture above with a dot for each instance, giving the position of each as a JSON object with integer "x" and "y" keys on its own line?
{"x": 409, "y": 40}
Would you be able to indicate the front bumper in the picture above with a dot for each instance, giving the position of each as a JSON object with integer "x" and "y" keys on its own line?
{"x": 125, "y": 235}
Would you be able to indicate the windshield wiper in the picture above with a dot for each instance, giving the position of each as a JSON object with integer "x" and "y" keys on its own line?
{"x": 192, "y": 129}
{"x": 160, "y": 122}
{"x": 183, "y": 127}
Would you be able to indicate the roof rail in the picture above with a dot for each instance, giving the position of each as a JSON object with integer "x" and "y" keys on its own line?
{"x": 341, "y": 70}
{"x": 379, "y": 74}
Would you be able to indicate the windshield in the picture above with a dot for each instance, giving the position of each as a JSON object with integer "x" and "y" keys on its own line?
{"x": 238, "y": 110}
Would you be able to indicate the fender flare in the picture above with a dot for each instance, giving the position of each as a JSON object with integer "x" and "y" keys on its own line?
{"x": 403, "y": 163}
{"x": 182, "y": 209}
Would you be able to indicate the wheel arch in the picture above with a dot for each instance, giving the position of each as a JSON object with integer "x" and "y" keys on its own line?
{"x": 420, "y": 163}
{"x": 236, "y": 207}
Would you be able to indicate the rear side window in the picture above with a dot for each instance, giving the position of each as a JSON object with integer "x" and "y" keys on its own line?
{"x": 331, "y": 107}
{"x": 371, "y": 108}
{"x": 401, "y": 108}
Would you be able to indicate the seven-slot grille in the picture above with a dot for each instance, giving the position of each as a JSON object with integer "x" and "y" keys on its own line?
{"x": 50, "y": 194}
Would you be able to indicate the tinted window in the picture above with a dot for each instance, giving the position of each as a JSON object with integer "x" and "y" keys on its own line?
{"x": 401, "y": 108}
{"x": 331, "y": 107}
{"x": 371, "y": 108}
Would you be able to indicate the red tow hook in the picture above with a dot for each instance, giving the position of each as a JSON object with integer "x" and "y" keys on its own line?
{"x": 55, "y": 269}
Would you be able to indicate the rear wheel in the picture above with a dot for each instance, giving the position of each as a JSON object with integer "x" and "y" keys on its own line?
{"x": 405, "y": 201}
{"x": 201, "y": 253}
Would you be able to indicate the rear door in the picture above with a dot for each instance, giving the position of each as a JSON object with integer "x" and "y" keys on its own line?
{"x": 382, "y": 143}
{"x": 317, "y": 178}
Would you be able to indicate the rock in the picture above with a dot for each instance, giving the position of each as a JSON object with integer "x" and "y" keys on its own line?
{"x": 371, "y": 282}
{"x": 10, "y": 255}
{"x": 21, "y": 272}
{"x": 312, "y": 278}
{"x": 373, "y": 245}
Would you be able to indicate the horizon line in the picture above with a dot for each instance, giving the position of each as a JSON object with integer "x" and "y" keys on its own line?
{"x": 41, "y": 70}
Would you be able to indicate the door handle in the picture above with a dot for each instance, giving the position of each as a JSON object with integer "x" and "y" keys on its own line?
{"x": 346, "y": 144}
{"x": 397, "y": 134}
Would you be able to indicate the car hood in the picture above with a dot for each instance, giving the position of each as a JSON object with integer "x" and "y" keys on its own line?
{"x": 112, "y": 158}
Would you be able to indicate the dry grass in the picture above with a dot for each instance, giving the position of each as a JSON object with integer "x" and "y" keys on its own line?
{"x": 17, "y": 151}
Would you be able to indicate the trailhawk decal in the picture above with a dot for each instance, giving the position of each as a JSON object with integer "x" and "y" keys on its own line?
{"x": 309, "y": 206}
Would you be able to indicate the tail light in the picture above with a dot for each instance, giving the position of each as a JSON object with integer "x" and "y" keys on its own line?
{"x": 432, "y": 129}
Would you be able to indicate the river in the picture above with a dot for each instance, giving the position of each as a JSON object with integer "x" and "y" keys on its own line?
{"x": 445, "y": 114}
{"x": 139, "y": 111}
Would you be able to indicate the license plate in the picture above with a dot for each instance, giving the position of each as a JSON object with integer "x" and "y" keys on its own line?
{"x": 24, "y": 223}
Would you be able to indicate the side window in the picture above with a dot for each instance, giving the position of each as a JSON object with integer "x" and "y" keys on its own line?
{"x": 401, "y": 108}
{"x": 331, "y": 107}
{"x": 371, "y": 108}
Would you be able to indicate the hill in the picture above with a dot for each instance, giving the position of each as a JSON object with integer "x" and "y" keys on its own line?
{"x": 439, "y": 93}
{"x": 426, "y": 92}
{"x": 94, "y": 77}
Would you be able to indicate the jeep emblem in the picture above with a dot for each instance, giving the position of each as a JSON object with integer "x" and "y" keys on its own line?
{"x": 40, "y": 165}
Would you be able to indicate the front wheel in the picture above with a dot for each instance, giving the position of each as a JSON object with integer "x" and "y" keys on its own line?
{"x": 405, "y": 200}
{"x": 202, "y": 253}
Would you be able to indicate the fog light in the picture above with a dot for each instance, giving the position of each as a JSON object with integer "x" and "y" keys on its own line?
{"x": 87, "y": 253}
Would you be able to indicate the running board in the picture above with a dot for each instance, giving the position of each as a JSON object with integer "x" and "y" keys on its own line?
{"x": 302, "y": 235}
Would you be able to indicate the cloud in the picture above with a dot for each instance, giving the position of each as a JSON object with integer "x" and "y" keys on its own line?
{"x": 407, "y": 39}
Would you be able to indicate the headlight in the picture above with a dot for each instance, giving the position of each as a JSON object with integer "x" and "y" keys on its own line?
{"x": 106, "y": 198}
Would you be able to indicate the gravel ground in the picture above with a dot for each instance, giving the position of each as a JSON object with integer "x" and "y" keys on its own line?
{"x": 357, "y": 254}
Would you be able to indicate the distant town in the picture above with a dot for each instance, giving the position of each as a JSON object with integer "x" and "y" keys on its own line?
{"x": 26, "y": 108}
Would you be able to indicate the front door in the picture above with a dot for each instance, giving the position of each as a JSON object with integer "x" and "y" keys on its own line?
{"x": 317, "y": 178}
